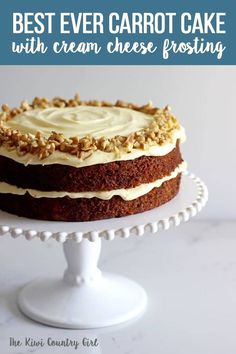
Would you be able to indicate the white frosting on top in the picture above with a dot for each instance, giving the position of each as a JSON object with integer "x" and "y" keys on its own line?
{"x": 126, "y": 194}
{"x": 81, "y": 121}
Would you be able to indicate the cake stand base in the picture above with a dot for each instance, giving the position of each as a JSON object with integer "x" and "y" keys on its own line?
{"x": 114, "y": 300}
{"x": 84, "y": 298}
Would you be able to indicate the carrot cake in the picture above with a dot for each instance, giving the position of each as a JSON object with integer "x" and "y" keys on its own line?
{"x": 74, "y": 160}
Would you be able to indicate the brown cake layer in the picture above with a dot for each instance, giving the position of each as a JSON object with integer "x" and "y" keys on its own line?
{"x": 82, "y": 209}
{"x": 101, "y": 177}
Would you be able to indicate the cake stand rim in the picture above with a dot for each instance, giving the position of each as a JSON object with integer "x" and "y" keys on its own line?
{"x": 108, "y": 233}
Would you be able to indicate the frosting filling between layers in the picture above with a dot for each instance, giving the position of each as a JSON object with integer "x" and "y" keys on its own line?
{"x": 125, "y": 194}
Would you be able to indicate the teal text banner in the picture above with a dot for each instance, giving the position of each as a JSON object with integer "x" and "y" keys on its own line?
{"x": 145, "y": 32}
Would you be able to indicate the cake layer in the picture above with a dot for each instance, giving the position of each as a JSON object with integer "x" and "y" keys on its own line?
{"x": 101, "y": 177}
{"x": 124, "y": 193}
{"x": 84, "y": 209}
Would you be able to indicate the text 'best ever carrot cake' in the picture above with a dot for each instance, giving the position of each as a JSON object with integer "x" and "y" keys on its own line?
{"x": 73, "y": 160}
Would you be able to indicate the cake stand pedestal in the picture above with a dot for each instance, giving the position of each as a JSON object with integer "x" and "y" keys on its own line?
{"x": 85, "y": 297}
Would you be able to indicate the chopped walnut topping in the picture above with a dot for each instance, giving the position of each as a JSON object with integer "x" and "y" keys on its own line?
{"x": 160, "y": 131}
{"x": 5, "y": 108}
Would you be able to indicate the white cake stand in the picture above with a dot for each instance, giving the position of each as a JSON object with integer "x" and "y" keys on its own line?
{"x": 85, "y": 297}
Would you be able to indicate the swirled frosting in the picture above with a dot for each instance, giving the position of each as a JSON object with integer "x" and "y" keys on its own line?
{"x": 80, "y": 121}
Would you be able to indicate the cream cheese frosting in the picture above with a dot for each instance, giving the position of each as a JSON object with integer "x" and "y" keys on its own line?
{"x": 96, "y": 158}
{"x": 125, "y": 194}
{"x": 80, "y": 121}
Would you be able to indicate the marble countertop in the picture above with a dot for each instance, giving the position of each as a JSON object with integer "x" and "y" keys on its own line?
{"x": 188, "y": 272}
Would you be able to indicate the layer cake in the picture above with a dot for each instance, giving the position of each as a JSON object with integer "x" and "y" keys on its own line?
{"x": 74, "y": 160}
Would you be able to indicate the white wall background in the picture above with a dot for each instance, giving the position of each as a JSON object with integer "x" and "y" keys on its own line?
{"x": 202, "y": 97}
